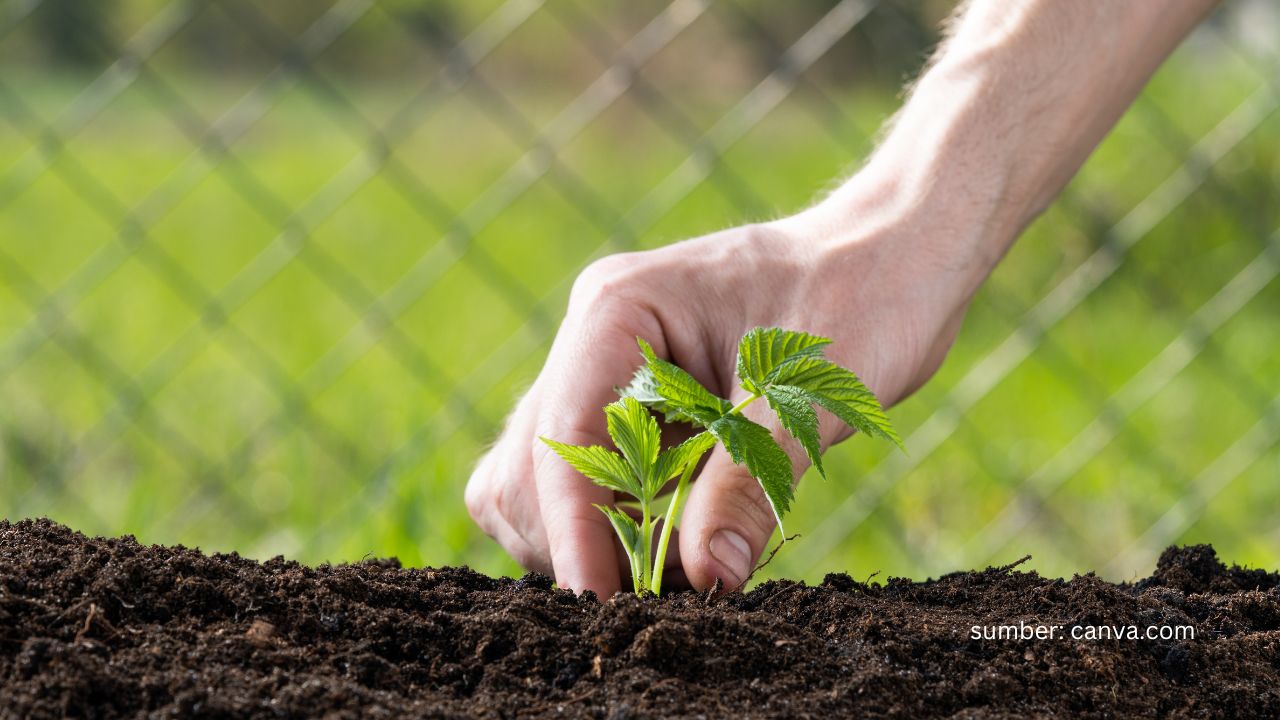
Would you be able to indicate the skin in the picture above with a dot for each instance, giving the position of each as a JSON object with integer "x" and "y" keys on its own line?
{"x": 886, "y": 265}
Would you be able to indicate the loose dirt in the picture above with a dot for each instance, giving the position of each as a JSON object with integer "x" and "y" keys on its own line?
{"x": 110, "y": 628}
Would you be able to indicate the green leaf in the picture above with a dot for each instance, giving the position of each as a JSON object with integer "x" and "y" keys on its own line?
{"x": 628, "y": 531}
{"x": 763, "y": 349}
{"x": 753, "y": 445}
{"x": 604, "y": 466}
{"x": 680, "y": 392}
{"x": 673, "y": 461}
{"x": 644, "y": 389}
{"x": 794, "y": 407}
{"x": 839, "y": 391}
{"x": 636, "y": 434}
{"x": 626, "y": 526}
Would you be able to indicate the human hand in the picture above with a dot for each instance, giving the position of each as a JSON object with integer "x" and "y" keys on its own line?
{"x": 885, "y": 267}
{"x": 890, "y": 308}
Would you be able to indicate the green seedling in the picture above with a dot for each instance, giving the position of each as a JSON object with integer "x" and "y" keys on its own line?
{"x": 785, "y": 367}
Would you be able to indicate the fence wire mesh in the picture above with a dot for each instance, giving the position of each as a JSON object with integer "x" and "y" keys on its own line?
{"x": 272, "y": 274}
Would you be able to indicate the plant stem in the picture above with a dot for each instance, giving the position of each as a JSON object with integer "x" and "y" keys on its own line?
{"x": 646, "y": 545}
{"x": 673, "y": 511}
{"x": 677, "y": 499}
{"x": 737, "y": 409}
{"x": 635, "y": 576}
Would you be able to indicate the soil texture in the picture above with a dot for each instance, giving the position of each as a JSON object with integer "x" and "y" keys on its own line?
{"x": 105, "y": 628}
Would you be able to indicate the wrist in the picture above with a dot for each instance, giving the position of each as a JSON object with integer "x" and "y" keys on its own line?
{"x": 878, "y": 276}
{"x": 905, "y": 219}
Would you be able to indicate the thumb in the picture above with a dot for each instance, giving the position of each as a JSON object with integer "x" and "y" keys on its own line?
{"x": 726, "y": 524}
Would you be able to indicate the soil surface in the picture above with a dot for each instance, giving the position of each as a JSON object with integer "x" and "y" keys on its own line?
{"x": 111, "y": 628}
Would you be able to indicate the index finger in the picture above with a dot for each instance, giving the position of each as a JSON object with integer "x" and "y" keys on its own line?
{"x": 588, "y": 360}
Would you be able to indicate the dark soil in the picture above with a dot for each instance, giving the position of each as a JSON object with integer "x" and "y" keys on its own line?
{"x": 110, "y": 628}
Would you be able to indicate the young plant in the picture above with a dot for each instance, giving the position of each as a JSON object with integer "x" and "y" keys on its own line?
{"x": 785, "y": 367}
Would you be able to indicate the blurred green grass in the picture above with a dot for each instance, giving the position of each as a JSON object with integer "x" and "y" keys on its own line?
{"x": 254, "y": 435}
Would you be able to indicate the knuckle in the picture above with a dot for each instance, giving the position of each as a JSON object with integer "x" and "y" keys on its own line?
{"x": 506, "y": 499}
{"x": 543, "y": 457}
{"x": 478, "y": 498}
{"x": 746, "y": 501}
{"x": 760, "y": 511}
{"x": 608, "y": 279}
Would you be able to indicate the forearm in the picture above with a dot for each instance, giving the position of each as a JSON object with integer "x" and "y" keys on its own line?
{"x": 1012, "y": 106}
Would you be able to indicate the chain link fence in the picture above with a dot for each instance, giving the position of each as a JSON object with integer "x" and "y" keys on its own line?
{"x": 271, "y": 275}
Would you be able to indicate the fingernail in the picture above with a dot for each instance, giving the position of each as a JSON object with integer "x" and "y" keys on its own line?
{"x": 733, "y": 552}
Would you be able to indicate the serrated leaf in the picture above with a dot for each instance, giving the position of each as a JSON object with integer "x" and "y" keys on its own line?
{"x": 626, "y": 526}
{"x": 763, "y": 349}
{"x": 794, "y": 408}
{"x": 636, "y": 434}
{"x": 672, "y": 461}
{"x": 839, "y": 391}
{"x": 628, "y": 531}
{"x": 644, "y": 389}
{"x": 604, "y": 466}
{"x": 752, "y": 445}
{"x": 680, "y": 391}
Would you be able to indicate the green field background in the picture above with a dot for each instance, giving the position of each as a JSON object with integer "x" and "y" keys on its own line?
{"x": 226, "y": 347}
